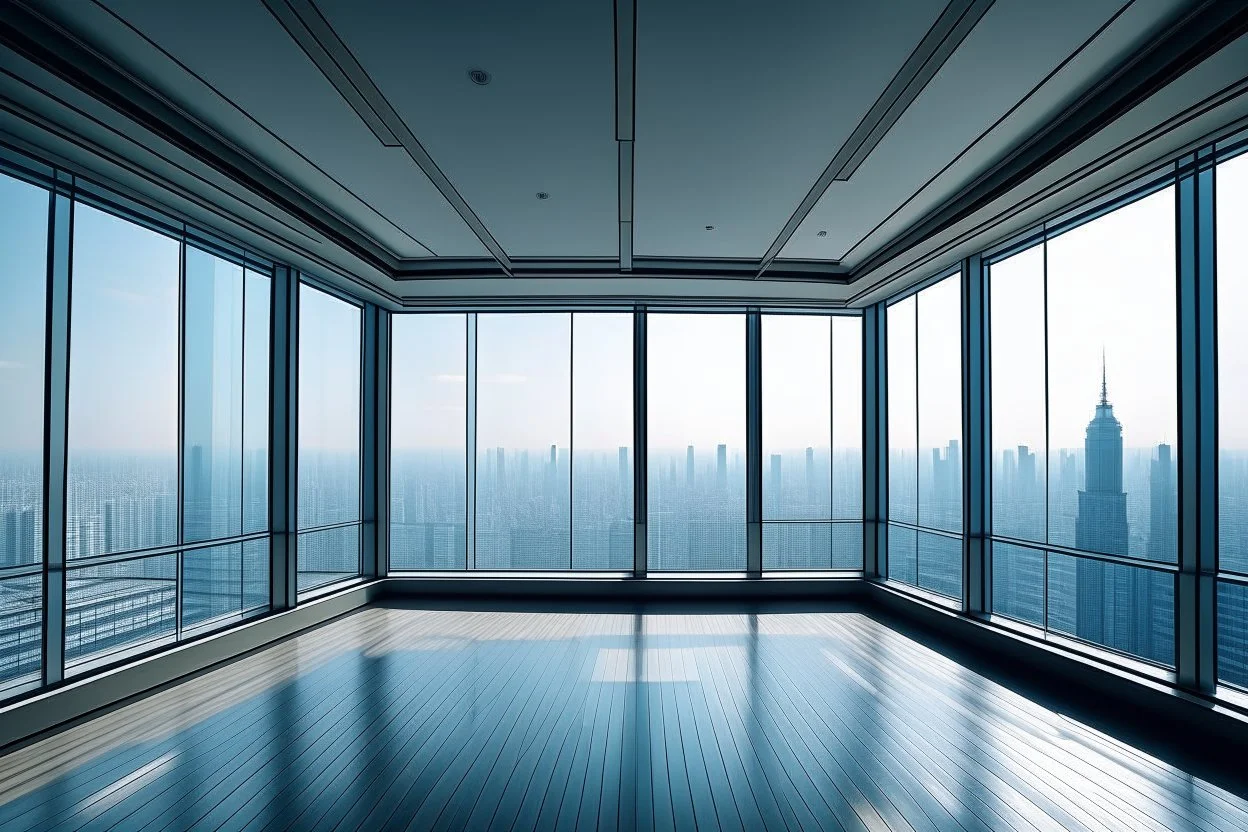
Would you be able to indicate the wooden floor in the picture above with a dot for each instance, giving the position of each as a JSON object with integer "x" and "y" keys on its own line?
{"x": 397, "y": 718}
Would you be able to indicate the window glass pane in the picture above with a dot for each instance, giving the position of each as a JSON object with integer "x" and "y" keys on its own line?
{"x": 797, "y": 426}
{"x": 256, "y": 571}
{"x": 23, "y": 278}
{"x": 940, "y": 564}
{"x": 119, "y": 606}
{"x": 213, "y": 398}
{"x": 807, "y": 546}
{"x": 903, "y": 486}
{"x": 847, "y": 419}
{"x": 1018, "y": 582}
{"x": 428, "y": 390}
{"x": 258, "y": 289}
{"x": 329, "y": 409}
{"x": 1233, "y": 633}
{"x": 21, "y": 629}
{"x": 123, "y": 396}
{"x": 1232, "y": 270}
{"x": 696, "y": 432}
{"x": 1018, "y": 401}
{"x": 602, "y": 441}
{"x": 212, "y": 585}
{"x": 1125, "y": 608}
{"x": 1112, "y": 383}
{"x": 524, "y": 403}
{"x": 328, "y": 555}
{"x": 940, "y": 408}
{"x": 903, "y": 562}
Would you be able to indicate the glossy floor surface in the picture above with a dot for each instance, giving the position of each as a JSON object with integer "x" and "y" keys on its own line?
{"x": 397, "y": 718}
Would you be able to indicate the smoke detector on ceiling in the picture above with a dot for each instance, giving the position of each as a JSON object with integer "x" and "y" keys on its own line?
{"x": 710, "y": 228}
{"x": 543, "y": 195}
{"x": 822, "y": 234}
{"x": 479, "y": 77}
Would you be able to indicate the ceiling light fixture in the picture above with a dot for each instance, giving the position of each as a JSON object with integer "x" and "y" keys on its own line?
{"x": 479, "y": 77}
{"x": 543, "y": 195}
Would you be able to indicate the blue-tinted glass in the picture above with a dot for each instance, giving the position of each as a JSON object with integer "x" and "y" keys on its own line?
{"x": 524, "y": 405}
{"x": 256, "y": 570}
{"x": 1112, "y": 383}
{"x": 328, "y": 555}
{"x": 1233, "y": 633}
{"x": 903, "y": 484}
{"x": 847, "y": 420}
{"x": 602, "y": 441}
{"x": 119, "y": 607}
{"x": 847, "y": 545}
{"x": 797, "y": 431}
{"x": 23, "y": 276}
{"x": 212, "y": 463}
{"x": 696, "y": 431}
{"x": 212, "y": 586}
{"x": 123, "y": 395}
{"x": 1125, "y": 608}
{"x": 940, "y": 564}
{"x": 1019, "y": 450}
{"x": 21, "y": 636}
{"x": 428, "y": 362}
{"x": 257, "y": 291}
{"x": 903, "y": 564}
{"x": 1232, "y": 271}
{"x": 1018, "y": 582}
{"x": 329, "y": 409}
{"x": 939, "y": 314}
{"x": 809, "y": 546}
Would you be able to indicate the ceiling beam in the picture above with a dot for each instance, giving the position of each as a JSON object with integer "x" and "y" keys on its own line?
{"x": 1194, "y": 37}
{"x": 308, "y": 28}
{"x": 941, "y": 41}
{"x": 625, "y": 116}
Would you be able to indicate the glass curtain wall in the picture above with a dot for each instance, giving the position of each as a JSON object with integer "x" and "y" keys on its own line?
{"x": 330, "y": 371}
{"x": 812, "y": 441}
{"x": 23, "y": 286}
{"x": 696, "y": 432}
{"x": 546, "y": 400}
{"x": 1232, "y": 293}
{"x": 167, "y": 440}
{"x": 924, "y": 362}
{"x": 1084, "y": 420}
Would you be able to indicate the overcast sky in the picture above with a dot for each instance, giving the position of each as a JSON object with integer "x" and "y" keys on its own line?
{"x": 1110, "y": 288}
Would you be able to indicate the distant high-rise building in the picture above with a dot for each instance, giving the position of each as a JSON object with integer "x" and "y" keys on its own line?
{"x": 689, "y": 466}
{"x": 1026, "y": 471}
{"x": 721, "y": 467}
{"x": 775, "y": 496}
{"x": 1163, "y": 538}
{"x": 1101, "y": 525}
{"x": 811, "y": 478}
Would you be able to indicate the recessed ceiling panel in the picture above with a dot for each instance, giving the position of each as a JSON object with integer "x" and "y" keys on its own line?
{"x": 544, "y": 122}
{"x": 950, "y": 133}
{"x": 741, "y": 105}
{"x": 282, "y": 110}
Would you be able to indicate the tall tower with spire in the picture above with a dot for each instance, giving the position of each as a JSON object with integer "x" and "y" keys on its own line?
{"x": 1101, "y": 525}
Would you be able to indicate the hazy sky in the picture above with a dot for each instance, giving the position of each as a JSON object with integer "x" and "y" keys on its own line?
{"x": 1111, "y": 287}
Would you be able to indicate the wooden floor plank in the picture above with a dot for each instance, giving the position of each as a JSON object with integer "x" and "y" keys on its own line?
{"x": 395, "y": 717}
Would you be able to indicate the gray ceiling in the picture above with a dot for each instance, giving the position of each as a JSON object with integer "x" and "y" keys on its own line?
{"x": 790, "y": 145}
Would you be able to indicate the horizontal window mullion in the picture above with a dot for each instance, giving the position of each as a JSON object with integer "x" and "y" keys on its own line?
{"x": 1124, "y": 560}
{"x": 141, "y": 554}
{"x": 344, "y": 524}
{"x": 928, "y": 529}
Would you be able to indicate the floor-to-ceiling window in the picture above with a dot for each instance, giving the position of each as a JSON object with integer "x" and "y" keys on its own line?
{"x": 812, "y": 441}
{"x": 23, "y": 278}
{"x": 428, "y": 441}
{"x": 696, "y": 432}
{"x": 924, "y": 367}
{"x": 546, "y": 400}
{"x": 1232, "y": 293}
{"x": 330, "y": 339}
{"x": 1084, "y": 421}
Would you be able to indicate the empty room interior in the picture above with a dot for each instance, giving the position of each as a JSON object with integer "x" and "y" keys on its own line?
{"x": 649, "y": 414}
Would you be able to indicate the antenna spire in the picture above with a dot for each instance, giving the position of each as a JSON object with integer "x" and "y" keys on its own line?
{"x": 1104, "y": 384}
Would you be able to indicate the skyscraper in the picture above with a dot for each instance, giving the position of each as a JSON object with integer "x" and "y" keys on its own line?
{"x": 689, "y": 466}
{"x": 1162, "y": 531}
{"x": 721, "y": 467}
{"x": 1101, "y": 525}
